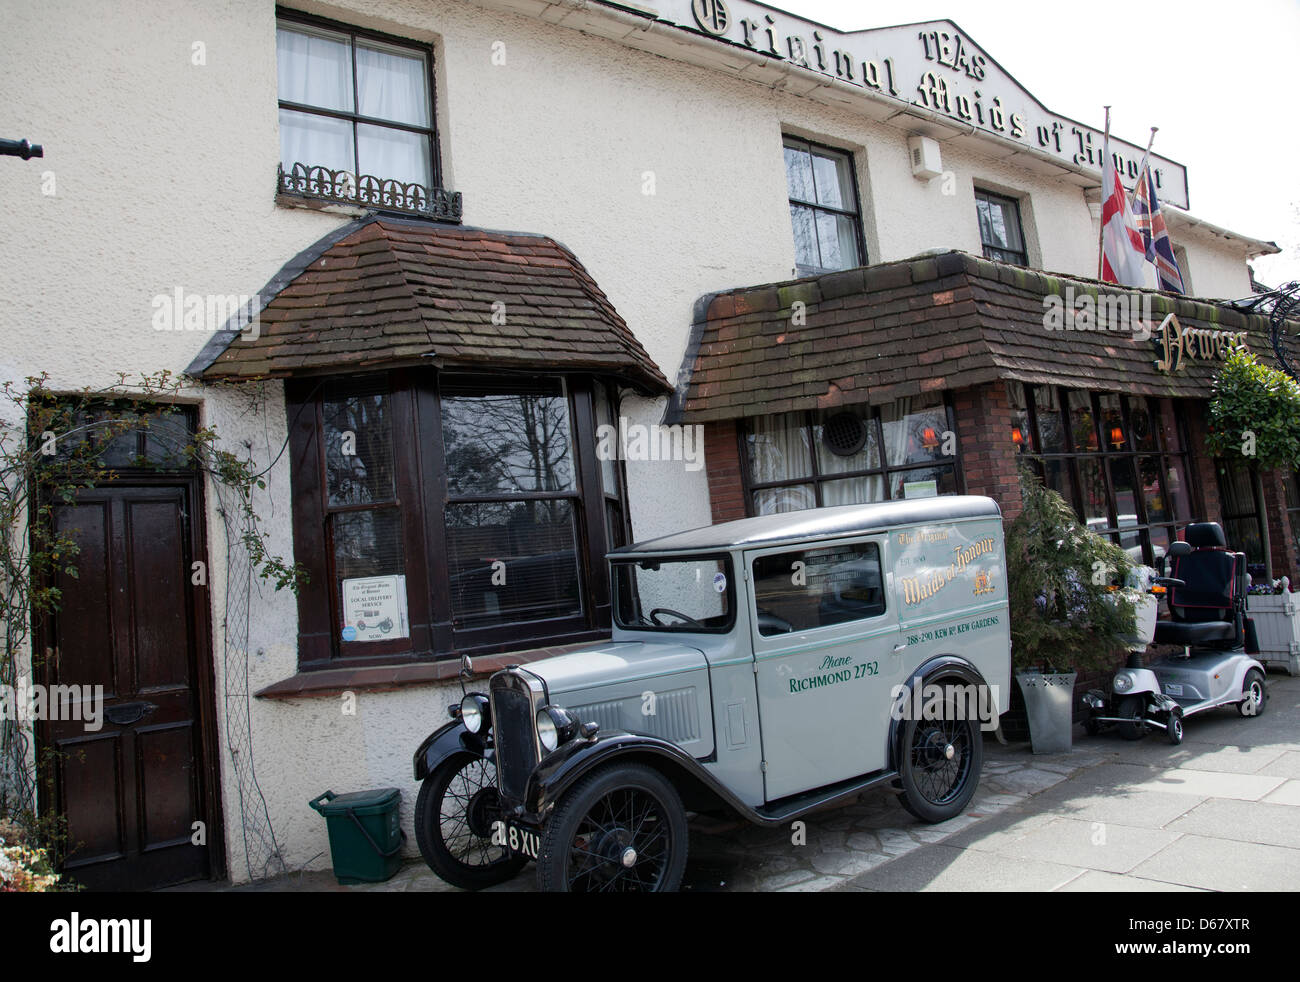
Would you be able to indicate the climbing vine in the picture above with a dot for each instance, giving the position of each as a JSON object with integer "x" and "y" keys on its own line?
{"x": 54, "y": 446}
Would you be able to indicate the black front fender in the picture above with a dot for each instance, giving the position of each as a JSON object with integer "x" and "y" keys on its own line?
{"x": 445, "y": 741}
{"x": 562, "y": 769}
{"x": 941, "y": 666}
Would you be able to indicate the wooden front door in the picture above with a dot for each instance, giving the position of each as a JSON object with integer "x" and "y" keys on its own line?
{"x": 132, "y": 621}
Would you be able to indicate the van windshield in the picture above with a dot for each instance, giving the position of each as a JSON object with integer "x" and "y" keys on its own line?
{"x": 690, "y": 594}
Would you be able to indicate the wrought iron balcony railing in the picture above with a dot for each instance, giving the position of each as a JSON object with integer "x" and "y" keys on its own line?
{"x": 344, "y": 187}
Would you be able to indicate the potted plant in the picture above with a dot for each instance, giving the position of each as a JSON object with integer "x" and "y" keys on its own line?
{"x": 1252, "y": 418}
{"x": 1067, "y": 614}
{"x": 1273, "y": 609}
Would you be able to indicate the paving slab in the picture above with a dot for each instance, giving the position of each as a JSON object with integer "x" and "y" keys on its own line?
{"x": 1089, "y": 845}
{"x": 1244, "y": 821}
{"x": 1222, "y": 864}
{"x": 1287, "y": 794}
{"x": 1093, "y": 881}
{"x": 948, "y": 868}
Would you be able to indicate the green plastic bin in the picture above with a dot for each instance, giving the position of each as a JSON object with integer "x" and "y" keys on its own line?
{"x": 365, "y": 833}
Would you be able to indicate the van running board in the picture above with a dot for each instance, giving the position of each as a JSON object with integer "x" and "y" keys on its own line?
{"x": 783, "y": 809}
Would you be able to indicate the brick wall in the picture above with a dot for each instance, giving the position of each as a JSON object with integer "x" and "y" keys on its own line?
{"x": 1279, "y": 525}
{"x": 1211, "y": 508}
{"x": 987, "y": 453}
{"x": 722, "y": 463}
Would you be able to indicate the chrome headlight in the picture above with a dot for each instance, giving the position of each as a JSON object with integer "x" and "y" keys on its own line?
{"x": 554, "y": 726}
{"x": 475, "y": 712}
{"x": 1123, "y": 682}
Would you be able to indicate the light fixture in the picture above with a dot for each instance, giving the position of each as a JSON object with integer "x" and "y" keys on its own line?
{"x": 1017, "y": 437}
{"x": 929, "y": 439}
{"x": 1116, "y": 436}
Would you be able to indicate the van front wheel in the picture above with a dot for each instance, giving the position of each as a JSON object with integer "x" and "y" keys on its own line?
{"x": 940, "y": 764}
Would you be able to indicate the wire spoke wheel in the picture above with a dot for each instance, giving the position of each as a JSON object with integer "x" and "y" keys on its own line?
{"x": 621, "y": 830}
{"x": 456, "y": 814}
{"x": 940, "y": 762}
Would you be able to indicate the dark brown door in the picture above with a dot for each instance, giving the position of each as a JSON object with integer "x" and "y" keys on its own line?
{"x": 133, "y": 789}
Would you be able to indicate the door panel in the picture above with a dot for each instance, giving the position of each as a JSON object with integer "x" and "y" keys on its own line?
{"x": 823, "y": 643}
{"x": 133, "y": 790}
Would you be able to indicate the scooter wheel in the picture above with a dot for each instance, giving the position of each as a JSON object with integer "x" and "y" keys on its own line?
{"x": 1254, "y": 695}
{"x": 1091, "y": 727}
{"x": 1174, "y": 727}
{"x": 1130, "y": 707}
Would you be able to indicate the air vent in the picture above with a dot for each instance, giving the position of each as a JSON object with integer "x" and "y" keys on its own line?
{"x": 844, "y": 434}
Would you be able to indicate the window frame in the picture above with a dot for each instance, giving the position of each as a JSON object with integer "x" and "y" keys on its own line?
{"x": 421, "y": 498}
{"x": 860, "y": 240}
{"x": 994, "y": 197}
{"x": 850, "y": 626}
{"x": 284, "y": 14}
{"x": 1071, "y": 456}
{"x": 816, "y": 478}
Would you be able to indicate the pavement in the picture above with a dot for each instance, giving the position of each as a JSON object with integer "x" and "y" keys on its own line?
{"x": 1219, "y": 812}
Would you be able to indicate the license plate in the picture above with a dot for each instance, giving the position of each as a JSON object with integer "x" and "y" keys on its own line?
{"x": 521, "y": 841}
{"x": 1173, "y": 689}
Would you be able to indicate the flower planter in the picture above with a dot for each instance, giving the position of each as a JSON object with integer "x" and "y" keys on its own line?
{"x": 1049, "y": 703}
{"x": 1278, "y": 628}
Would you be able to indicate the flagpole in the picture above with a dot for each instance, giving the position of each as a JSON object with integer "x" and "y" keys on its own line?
{"x": 1101, "y": 218}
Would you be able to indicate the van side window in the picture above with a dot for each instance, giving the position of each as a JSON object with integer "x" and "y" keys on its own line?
{"x": 798, "y": 591}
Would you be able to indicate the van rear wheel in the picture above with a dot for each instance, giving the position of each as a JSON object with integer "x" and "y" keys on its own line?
{"x": 941, "y": 762}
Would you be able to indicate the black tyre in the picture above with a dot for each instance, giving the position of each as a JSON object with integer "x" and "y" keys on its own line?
{"x": 619, "y": 830}
{"x": 1132, "y": 708}
{"x": 454, "y": 816}
{"x": 940, "y": 761}
{"x": 1174, "y": 726}
{"x": 1254, "y": 694}
{"x": 1091, "y": 726}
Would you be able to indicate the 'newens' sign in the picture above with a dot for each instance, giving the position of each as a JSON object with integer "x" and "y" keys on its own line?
{"x": 931, "y": 66}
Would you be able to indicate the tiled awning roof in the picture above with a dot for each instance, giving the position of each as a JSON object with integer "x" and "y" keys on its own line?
{"x": 386, "y": 291}
{"x": 879, "y": 333}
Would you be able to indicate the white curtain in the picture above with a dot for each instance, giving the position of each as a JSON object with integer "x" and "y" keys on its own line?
{"x": 315, "y": 69}
{"x": 392, "y": 85}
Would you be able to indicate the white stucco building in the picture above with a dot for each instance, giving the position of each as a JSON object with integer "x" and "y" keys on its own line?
{"x": 629, "y": 163}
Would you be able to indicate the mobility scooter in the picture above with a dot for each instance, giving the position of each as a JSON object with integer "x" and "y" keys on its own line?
{"x": 1206, "y": 591}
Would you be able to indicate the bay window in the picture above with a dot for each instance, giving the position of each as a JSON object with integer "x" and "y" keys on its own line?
{"x": 439, "y": 513}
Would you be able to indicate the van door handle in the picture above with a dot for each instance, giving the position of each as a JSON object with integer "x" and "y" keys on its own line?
{"x": 900, "y": 647}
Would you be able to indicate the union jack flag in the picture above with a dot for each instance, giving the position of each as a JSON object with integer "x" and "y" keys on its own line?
{"x": 1155, "y": 235}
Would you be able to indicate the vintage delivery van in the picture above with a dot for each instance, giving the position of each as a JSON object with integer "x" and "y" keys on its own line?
{"x": 767, "y": 667}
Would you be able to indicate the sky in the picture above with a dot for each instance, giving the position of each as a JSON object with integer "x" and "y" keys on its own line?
{"x": 1218, "y": 79}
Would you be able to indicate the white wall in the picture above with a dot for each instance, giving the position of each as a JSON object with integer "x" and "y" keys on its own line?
{"x": 164, "y": 176}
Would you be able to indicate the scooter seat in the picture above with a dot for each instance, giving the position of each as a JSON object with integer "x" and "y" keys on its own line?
{"x": 1182, "y": 632}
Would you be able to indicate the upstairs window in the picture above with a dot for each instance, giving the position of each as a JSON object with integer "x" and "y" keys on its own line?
{"x": 1001, "y": 234}
{"x": 823, "y": 208}
{"x": 356, "y": 103}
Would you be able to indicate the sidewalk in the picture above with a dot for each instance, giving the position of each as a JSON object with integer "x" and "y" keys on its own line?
{"x": 1219, "y": 812}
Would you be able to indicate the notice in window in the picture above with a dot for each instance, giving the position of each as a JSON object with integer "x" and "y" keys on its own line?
{"x": 374, "y": 608}
{"x": 920, "y": 489}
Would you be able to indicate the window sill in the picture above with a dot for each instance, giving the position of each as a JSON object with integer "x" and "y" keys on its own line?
{"x": 384, "y": 678}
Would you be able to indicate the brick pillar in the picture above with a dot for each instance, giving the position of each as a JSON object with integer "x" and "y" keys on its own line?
{"x": 1202, "y": 463}
{"x": 1279, "y": 524}
{"x": 722, "y": 464}
{"x": 988, "y": 456}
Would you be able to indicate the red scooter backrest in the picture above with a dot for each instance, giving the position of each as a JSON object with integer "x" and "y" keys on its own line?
{"x": 1211, "y": 574}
